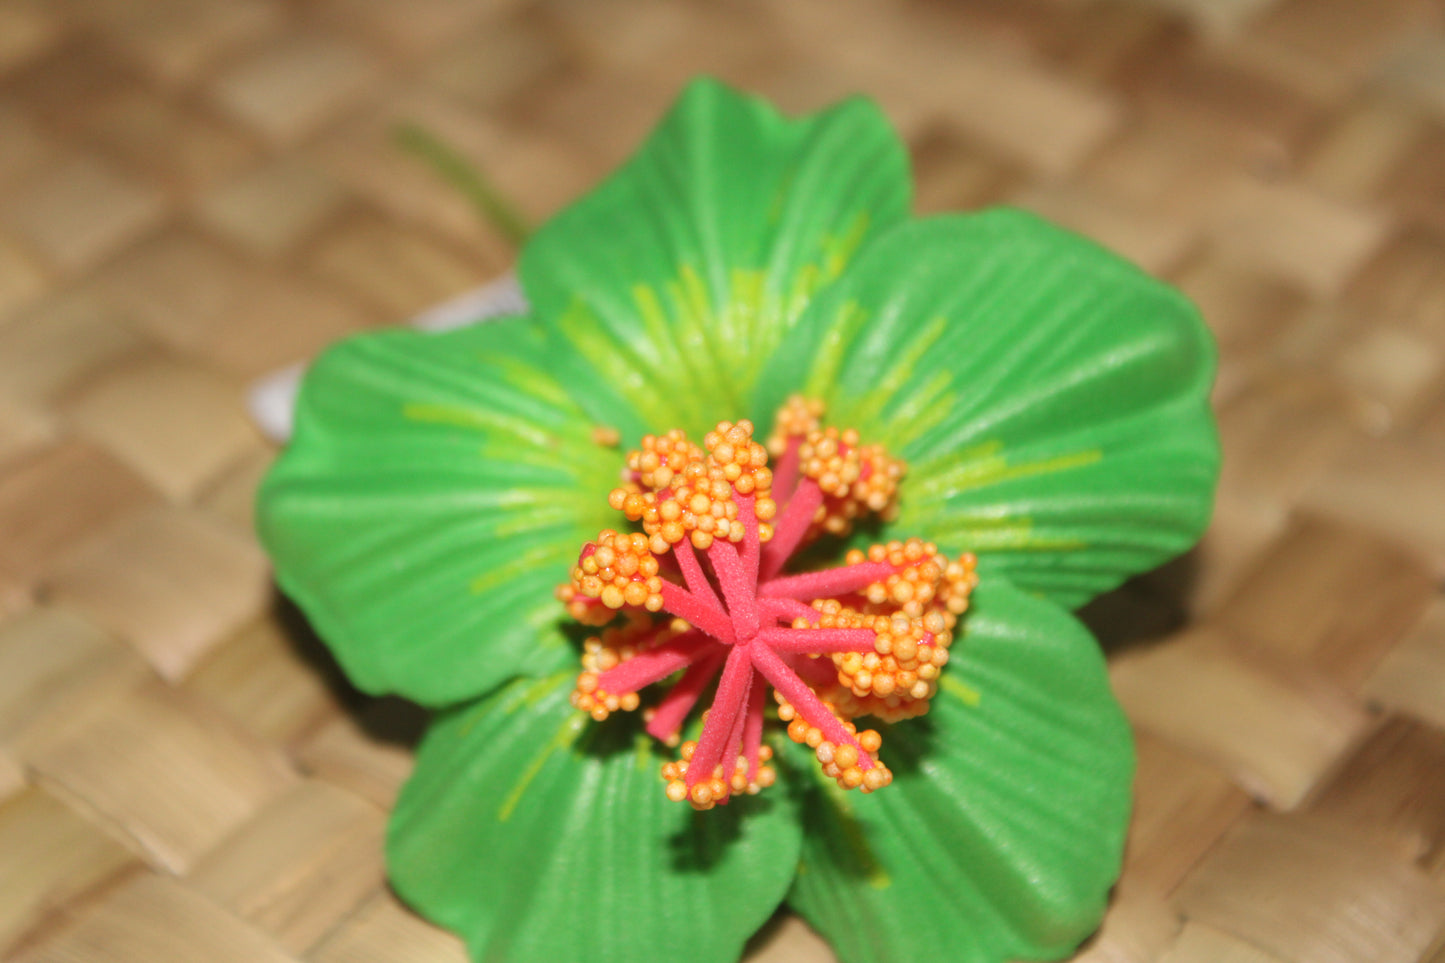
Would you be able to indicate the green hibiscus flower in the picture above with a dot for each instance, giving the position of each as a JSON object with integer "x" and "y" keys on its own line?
{"x": 1050, "y": 403}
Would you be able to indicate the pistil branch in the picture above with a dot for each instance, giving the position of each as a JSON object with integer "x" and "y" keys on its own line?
{"x": 831, "y": 582}
{"x": 818, "y": 640}
{"x": 665, "y": 722}
{"x": 712, "y": 619}
{"x": 792, "y": 525}
{"x": 740, "y": 592}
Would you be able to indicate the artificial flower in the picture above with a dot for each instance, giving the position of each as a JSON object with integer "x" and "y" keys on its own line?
{"x": 1049, "y": 402}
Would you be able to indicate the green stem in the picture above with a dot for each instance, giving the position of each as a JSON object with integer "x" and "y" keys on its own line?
{"x": 467, "y": 178}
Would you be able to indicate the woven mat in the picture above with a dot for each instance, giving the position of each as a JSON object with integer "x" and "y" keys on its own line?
{"x": 193, "y": 192}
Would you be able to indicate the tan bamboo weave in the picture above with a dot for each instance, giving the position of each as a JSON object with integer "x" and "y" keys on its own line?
{"x": 193, "y": 192}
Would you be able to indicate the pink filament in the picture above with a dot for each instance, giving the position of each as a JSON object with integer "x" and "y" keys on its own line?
{"x": 818, "y": 640}
{"x": 678, "y": 601}
{"x": 785, "y": 475}
{"x": 805, "y": 701}
{"x": 829, "y": 583}
{"x": 741, "y": 594}
{"x": 732, "y": 693}
{"x": 667, "y": 720}
{"x": 753, "y": 731}
{"x": 655, "y": 664}
{"x": 693, "y": 574}
{"x": 791, "y": 527}
{"x": 752, "y": 546}
{"x": 733, "y": 747}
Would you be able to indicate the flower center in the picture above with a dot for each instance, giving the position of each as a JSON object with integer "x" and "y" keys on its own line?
{"x": 704, "y": 595}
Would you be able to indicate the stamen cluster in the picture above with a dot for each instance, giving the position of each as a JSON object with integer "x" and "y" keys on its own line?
{"x": 854, "y": 479}
{"x": 700, "y": 597}
{"x": 677, "y": 492}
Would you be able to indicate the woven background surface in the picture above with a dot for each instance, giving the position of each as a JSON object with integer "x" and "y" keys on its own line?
{"x": 193, "y": 192}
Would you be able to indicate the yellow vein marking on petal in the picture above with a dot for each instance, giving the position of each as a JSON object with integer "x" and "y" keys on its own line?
{"x": 576, "y": 464}
{"x": 985, "y": 530}
{"x": 869, "y": 408}
{"x": 698, "y": 356}
{"x": 667, "y": 355}
{"x": 566, "y": 735}
{"x": 691, "y": 296}
{"x": 805, "y": 284}
{"x": 643, "y": 758}
{"x": 519, "y": 565}
{"x": 966, "y": 473}
{"x": 533, "y": 498}
{"x": 695, "y": 319}
{"x": 760, "y": 316}
{"x": 838, "y": 249}
{"x": 749, "y": 327}
{"x": 1013, "y": 534}
{"x": 540, "y": 689}
{"x": 657, "y": 345}
{"x": 925, "y": 408}
{"x": 543, "y": 618}
{"x": 535, "y": 384}
{"x": 548, "y": 514}
{"x": 747, "y": 294}
{"x": 547, "y": 458}
{"x": 693, "y": 368}
{"x": 966, "y": 694}
{"x": 460, "y": 416}
{"x": 628, "y": 371}
{"x": 828, "y": 361}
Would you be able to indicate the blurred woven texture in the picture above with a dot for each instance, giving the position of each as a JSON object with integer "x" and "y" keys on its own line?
{"x": 193, "y": 192}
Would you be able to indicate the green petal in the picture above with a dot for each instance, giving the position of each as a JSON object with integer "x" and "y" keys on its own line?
{"x": 679, "y": 275}
{"x": 438, "y": 488}
{"x": 1051, "y": 400}
{"x": 537, "y": 834}
{"x": 1002, "y": 830}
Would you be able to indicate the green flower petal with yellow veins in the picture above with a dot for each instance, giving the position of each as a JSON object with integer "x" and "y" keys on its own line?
{"x": 1050, "y": 399}
{"x": 437, "y": 490}
{"x": 1003, "y": 829}
{"x": 675, "y": 280}
{"x": 539, "y": 836}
